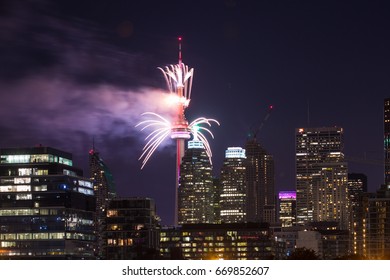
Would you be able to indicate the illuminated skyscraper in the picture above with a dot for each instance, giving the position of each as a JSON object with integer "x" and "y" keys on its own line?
{"x": 287, "y": 208}
{"x": 47, "y": 208}
{"x": 386, "y": 127}
{"x": 260, "y": 195}
{"x": 321, "y": 176}
{"x": 196, "y": 186}
{"x": 104, "y": 187}
{"x": 233, "y": 186}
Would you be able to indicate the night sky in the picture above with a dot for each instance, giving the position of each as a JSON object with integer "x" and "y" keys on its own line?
{"x": 74, "y": 71}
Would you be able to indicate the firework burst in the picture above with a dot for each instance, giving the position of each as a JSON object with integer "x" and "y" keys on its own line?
{"x": 161, "y": 128}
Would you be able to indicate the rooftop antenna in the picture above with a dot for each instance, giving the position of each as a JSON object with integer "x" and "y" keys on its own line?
{"x": 92, "y": 151}
{"x": 180, "y": 59}
{"x": 308, "y": 113}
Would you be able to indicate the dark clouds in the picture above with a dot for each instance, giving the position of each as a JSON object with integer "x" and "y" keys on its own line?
{"x": 63, "y": 84}
{"x": 36, "y": 40}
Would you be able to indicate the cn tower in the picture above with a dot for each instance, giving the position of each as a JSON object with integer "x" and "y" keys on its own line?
{"x": 179, "y": 81}
{"x": 180, "y": 130}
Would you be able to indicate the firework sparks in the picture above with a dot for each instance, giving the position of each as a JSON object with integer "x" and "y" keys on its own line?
{"x": 196, "y": 131}
{"x": 179, "y": 76}
{"x": 162, "y": 128}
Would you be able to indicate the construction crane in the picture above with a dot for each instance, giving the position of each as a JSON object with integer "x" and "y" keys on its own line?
{"x": 254, "y": 131}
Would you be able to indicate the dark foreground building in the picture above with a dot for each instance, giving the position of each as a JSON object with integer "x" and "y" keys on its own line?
{"x": 373, "y": 225}
{"x": 46, "y": 206}
{"x": 104, "y": 189}
{"x": 241, "y": 241}
{"x": 132, "y": 229}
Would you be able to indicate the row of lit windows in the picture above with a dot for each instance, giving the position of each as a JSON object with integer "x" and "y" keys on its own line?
{"x": 35, "y": 253}
{"x": 43, "y": 236}
{"x": 32, "y": 171}
{"x": 15, "y": 188}
{"x": 29, "y": 236}
{"x": 120, "y": 242}
{"x": 28, "y": 212}
{"x": 231, "y": 212}
{"x": 27, "y": 188}
{"x": 214, "y": 249}
{"x": 35, "y": 158}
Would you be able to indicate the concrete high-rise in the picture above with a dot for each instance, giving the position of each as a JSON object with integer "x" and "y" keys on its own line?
{"x": 196, "y": 199}
{"x": 233, "y": 186}
{"x": 47, "y": 207}
{"x": 321, "y": 176}
{"x": 104, "y": 188}
{"x": 260, "y": 184}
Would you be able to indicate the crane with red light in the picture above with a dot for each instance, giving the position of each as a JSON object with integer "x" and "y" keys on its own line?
{"x": 256, "y": 130}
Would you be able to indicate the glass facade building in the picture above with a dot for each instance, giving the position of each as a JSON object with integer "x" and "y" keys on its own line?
{"x": 233, "y": 187}
{"x": 321, "y": 176}
{"x": 196, "y": 189}
{"x": 46, "y": 206}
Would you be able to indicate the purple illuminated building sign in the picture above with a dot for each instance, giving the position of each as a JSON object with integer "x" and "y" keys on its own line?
{"x": 287, "y": 195}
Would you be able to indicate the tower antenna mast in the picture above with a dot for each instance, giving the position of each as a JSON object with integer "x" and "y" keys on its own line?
{"x": 180, "y": 58}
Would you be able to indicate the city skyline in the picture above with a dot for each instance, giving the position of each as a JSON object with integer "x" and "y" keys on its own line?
{"x": 73, "y": 72}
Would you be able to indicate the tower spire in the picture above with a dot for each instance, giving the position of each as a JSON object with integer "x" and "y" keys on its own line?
{"x": 180, "y": 58}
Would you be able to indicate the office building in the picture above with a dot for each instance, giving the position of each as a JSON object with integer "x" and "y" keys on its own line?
{"x": 104, "y": 188}
{"x": 242, "y": 241}
{"x": 133, "y": 229}
{"x": 233, "y": 186}
{"x": 260, "y": 195}
{"x": 196, "y": 190}
{"x": 46, "y": 207}
{"x": 321, "y": 176}
{"x": 287, "y": 208}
